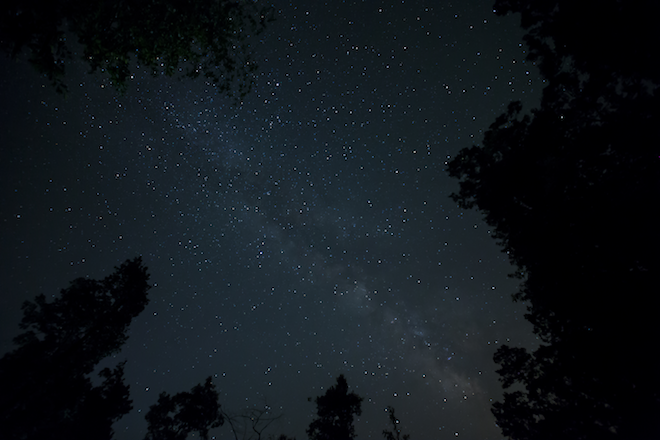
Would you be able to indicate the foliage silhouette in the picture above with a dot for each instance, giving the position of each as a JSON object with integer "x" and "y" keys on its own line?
{"x": 174, "y": 417}
{"x": 187, "y": 38}
{"x": 395, "y": 433}
{"x": 571, "y": 190}
{"x": 46, "y": 389}
{"x": 335, "y": 411}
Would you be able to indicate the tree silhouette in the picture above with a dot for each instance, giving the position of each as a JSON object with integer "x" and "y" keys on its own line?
{"x": 187, "y": 38}
{"x": 45, "y": 387}
{"x": 335, "y": 411}
{"x": 571, "y": 191}
{"x": 395, "y": 433}
{"x": 174, "y": 417}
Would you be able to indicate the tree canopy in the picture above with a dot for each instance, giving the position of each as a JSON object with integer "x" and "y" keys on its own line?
{"x": 571, "y": 190}
{"x": 184, "y": 38}
{"x": 335, "y": 411}
{"x": 46, "y": 387}
{"x": 174, "y": 417}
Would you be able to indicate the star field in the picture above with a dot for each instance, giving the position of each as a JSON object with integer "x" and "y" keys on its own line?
{"x": 304, "y": 233}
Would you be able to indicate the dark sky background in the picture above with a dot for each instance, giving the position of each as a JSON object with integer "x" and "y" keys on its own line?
{"x": 305, "y": 233}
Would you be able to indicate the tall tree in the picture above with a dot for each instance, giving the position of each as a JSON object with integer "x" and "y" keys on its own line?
{"x": 335, "y": 411}
{"x": 186, "y": 38}
{"x": 174, "y": 417}
{"x": 46, "y": 391}
{"x": 571, "y": 190}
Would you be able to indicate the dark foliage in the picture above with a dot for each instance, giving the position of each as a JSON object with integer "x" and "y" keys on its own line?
{"x": 45, "y": 387}
{"x": 612, "y": 36}
{"x": 174, "y": 417}
{"x": 572, "y": 190}
{"x": 185, "y": 38}
{"x": 335, "y": 411}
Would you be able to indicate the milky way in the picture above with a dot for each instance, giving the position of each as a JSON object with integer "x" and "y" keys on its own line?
{"x": 304, "y": 233}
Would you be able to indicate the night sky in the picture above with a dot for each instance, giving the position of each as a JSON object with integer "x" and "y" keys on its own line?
{"x": 305, "y": 233}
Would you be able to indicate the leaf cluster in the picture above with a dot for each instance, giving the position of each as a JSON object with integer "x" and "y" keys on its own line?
{"x": 182, "y": 38}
